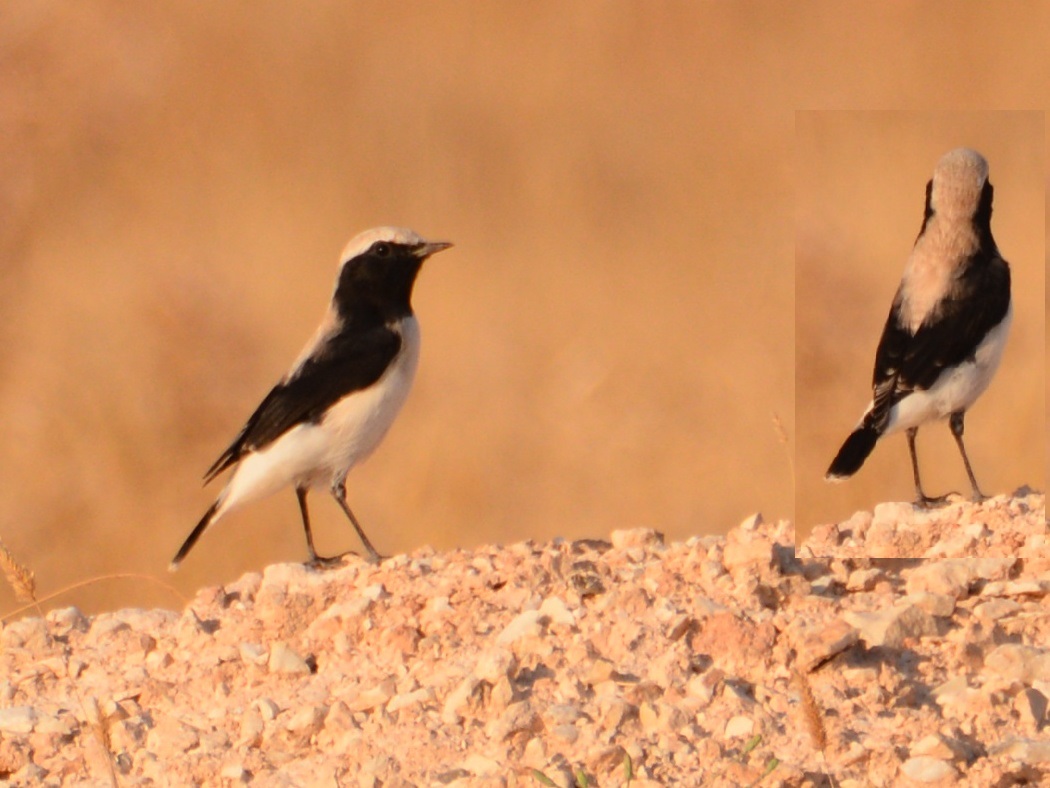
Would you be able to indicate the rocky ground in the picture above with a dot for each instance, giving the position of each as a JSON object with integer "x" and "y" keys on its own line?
{"x": 897, "y": 648}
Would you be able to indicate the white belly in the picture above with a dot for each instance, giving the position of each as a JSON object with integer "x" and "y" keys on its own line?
{"x": 956, "y": 389}
{"x": 319, "y": 454}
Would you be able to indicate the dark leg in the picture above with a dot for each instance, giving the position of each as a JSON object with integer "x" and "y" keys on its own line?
{"x": 922, "y": 500}
{"x": 956, "y": 424}
{"x": 315, "y": 559}
{"x": 339, "y": 493}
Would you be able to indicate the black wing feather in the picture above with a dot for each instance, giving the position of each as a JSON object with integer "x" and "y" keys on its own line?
{"x": 350, "y": 363}
{"x": 906, "y": 362}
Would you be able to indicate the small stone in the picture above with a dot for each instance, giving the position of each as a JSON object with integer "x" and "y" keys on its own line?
{"x": 1031, "y": 707}
{"x": 600, "y": 670}
{"x": 863, "y": 579}
{"x": 306, "y": 721}
{"x": 284, "y": 577}
{"x": 526, "y": 624}
{"x": 481, "y": 766}
{"x": 439, "y": 604}
{"x": 636, "y": 537}
{"x": 535, "y": 754}
{"x": 924, "y": 769}
{"x": 933, "y": 746}
{"x": 375, "y": 592}
{"x": 817, "y": 646}
{"x": 956, "y": 576}
{"x": 107, "y": 625}
{"x": 451, "y": 713}
{"x": 29, "y": 774}
{"x": 956, "y": 693}
{"x": 890, "y": 514}
{"x": 159, "y": 660}
{"x": 27, "y": 633}
{"x": 172, "y": 735}
{"x": 519, "y": 717}
{"x": 1016, "y": 662}
{"x": 235, "y": 772}
{"x": 68, "y": 619}
{"x": 649, "y": 718}
{"x": 252, "y": 727}
{"x": 284, "y": 659}
{"x": 1034, "y": 588}
{"x": 739, "y": 727}
{"x": 997, "y": 609}
{"x": 253, "y": 653}
{"x": 65, "y": 725}
{"x": 494, "y": 664}
{"x": 892, "y": 626}
{"x": 748, "y": 548}
{"x": 267, "y": 708}
{"x": 614, "y": 713}
{"x": 407, "y": 700}
{"x": 701, "y": 688}
{"x": 18, "y": 719}
{"x": 375, "y": 696}
{"x": 563, "y": 714}
{"x": 1029, "y": 751}
{"x": 566, "y": 733}
{"x": 502, "y": 694}
{"x": 605, "y": 760}
{"x": 556, "y": 610}
{"x": 939, "y": 605}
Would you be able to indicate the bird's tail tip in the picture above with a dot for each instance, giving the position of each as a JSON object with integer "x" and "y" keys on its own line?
{"x": 853, "y": 453}
{"x": 195, "y": 534}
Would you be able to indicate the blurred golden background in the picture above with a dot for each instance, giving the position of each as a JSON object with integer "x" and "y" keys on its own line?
{"x": 604, "y": 348}
{"x": 861, "y": 190}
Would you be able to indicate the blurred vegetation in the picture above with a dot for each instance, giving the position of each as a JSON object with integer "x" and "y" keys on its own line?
{"x": 605, "y": 347}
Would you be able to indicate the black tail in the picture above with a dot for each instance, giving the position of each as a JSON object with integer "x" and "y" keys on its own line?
{"x": 853, "y": 453}
{"x": 191, "y": 540}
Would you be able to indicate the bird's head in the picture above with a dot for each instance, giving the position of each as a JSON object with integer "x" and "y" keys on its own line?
{"x": 378, "y": 268}
{"x": 959, "y": 185}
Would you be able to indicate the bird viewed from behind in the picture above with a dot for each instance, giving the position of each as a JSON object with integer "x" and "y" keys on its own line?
{"x": 948, "y": 324}
{"x": 342, "y": 393}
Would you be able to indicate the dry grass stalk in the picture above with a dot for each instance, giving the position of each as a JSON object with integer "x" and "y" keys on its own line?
{"x": 811, "y": 713}
{"x": 23, "y": 582}
{"x": 19, "y": 577}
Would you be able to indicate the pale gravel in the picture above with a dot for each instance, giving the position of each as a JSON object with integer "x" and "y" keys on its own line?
{"x": 928, "y": 665}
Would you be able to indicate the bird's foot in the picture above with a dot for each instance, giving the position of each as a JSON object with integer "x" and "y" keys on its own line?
{"x": 376, "y": 559}
{"x": 924, "y": 501}
{"x": 978, "y": 496}
{"x": 328, "y": 561}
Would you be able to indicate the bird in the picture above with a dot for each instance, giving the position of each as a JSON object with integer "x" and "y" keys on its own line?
{"x": 340, "y": 395}
{"x": 947, "y": 327}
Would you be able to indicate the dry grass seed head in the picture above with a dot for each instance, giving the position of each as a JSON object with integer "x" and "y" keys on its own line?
{"x": 20, "y": 578}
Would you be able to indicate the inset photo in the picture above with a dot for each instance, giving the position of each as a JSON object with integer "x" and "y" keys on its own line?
{"x": 919, "y": 327}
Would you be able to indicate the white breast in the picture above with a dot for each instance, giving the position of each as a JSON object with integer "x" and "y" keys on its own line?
{"x": 322, "y": 453}
{"x": 356, "y": 425}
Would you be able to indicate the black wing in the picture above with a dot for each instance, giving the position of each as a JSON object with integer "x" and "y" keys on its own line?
{"x": 349, "y": 363}
{"x": 906, "y": 362}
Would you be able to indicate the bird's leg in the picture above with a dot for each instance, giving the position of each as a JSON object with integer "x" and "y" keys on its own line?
{"x": 922, "y": 500}
{"x": 956, "y": 424}
{"x": 339, "y": 493}
{"x": 316, "y": 560}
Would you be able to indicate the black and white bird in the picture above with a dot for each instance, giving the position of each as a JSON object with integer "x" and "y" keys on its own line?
{"x": 948, "y": 324}
{"x": 335, "y": 404}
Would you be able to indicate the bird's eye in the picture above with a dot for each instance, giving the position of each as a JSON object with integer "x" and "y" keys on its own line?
{"x": 381, "y": 249}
